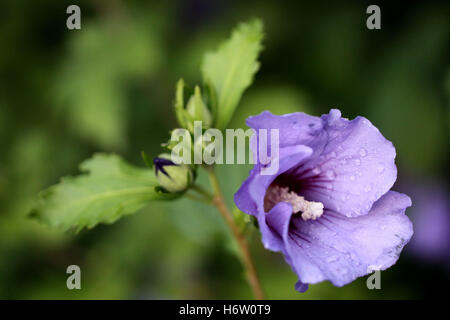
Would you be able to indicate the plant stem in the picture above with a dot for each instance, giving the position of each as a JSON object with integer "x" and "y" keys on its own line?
{"x": 195, "y": 197}
{"x": 202, "y": 191}
{"x": 218, "y": 201}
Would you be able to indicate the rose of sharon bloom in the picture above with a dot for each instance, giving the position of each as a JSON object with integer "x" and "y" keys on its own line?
{"x": 329, "y": 208}
{"x": 431, "y": 217}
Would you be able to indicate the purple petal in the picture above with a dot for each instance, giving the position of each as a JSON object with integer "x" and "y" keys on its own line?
{"x": 340, "y": 249}
{"x": 250, "y": 197}
{"x": 295, "y": 128}
{"x": 301, "y": 287}
{"x": 277, "y": 219}
{"x": 352, "y": 164}
{"x": 356, "y": 167}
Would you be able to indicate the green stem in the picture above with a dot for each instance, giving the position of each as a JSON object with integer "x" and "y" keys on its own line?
{"x": 198, "y": 198}
{"x": 199, "y": 189}
{"x": 218, "y": 201}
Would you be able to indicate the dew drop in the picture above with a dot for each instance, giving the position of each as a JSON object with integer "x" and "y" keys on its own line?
{"x": 316, "y": 170}
{"x": 362, "y": 152}
{"x": 357, "y": 162}
{"x": 332, "y": 259}
{"x": 331, "y": 174}
{"x": 352, "y": 178}
{"x": 331, "y": 155}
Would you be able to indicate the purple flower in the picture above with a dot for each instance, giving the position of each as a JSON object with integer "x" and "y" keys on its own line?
{"x": 431, "y": 217}
{"x": 328, "y": 209}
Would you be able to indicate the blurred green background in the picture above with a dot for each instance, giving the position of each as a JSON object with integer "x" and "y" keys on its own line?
{"x": 109, "y": 87}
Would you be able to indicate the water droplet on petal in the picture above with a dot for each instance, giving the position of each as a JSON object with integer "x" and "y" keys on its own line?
{"x": 333, "y": 116}
{"x": 332, "y": 259}
{"x": 331, "y": 155}
{"x": 362, "y": 152}
{"x": 316, "y": 170}
{"x": 352, "y": 178}
{"x": 331, "y": 174}
{"x": 357, "y": 162}
{"x": 367, "y": 188}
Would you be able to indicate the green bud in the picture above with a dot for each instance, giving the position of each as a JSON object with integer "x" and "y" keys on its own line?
{"x": 170, "y": 176}
{"x": 196, "y": 109}
{"x": 179, "y": 103}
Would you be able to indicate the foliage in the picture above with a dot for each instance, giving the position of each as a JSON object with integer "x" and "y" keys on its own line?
{"x": 109, "y": 190}
{"x": 231, "y": 68}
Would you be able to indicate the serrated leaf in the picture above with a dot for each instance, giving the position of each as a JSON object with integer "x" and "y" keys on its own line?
{"x": 108, "y": 190}
{"x": 231, "y": 68}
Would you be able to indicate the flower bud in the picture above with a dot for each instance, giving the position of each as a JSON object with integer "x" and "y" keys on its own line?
{"x": 198, "y": 111}
{"x": 170, "y": 176}
{"x": 194, "y": 110}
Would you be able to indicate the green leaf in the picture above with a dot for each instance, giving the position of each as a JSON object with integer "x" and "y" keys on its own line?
{"x": 231, "y": 68}
{"x": 109, "y": 189}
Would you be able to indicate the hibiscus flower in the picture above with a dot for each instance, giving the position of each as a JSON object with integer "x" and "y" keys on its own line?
{"x": 329, "y": 208}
